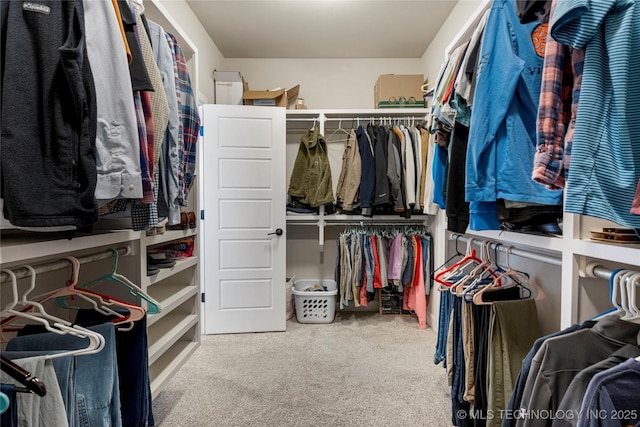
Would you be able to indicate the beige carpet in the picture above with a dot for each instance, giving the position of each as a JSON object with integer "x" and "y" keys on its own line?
{"x": 361, "y": 370}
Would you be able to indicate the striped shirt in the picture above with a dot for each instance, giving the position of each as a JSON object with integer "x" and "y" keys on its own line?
{"x": 605, "y": 164}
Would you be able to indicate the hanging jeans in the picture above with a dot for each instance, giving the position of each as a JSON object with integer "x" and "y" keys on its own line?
{"x": 446, "y": 306}
{"x": 97, "y": 385}
{"x": 133, "y": 370}
{"x": 460, "y": 408}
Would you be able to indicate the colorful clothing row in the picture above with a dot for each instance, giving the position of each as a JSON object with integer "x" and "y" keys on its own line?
{"x": 372, "y": 260}
{"x": 385, "y": 170}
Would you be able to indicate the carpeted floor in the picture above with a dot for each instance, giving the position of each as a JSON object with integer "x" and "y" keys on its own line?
{"x": 361, "y": 370}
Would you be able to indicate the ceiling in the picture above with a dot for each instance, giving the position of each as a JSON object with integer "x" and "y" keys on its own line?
{"x": 322, "y": 28}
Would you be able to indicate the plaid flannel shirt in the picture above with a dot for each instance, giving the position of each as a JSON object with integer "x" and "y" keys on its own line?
{"x": 190, "y": 120}
{"x": 557, "y": 110}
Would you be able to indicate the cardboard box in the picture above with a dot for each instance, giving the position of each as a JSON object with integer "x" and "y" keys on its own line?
{"x": 399, "y": 91}
{"x": 273, "y": 98}
{"x": 228, "y": 87}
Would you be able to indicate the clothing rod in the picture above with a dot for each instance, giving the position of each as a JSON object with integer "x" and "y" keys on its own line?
{"x": 380, "y": 222}
{"x": 593, "y": 269}
{"x": 402, "y": 116}
{"x": 22, "y": 272}
{"x": 515, "y": 251}
{"x": 303, "y": 119}
{"x": 364, "y": 118}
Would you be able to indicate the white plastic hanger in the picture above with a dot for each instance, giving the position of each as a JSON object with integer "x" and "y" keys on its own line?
{"x": 615, "y": 291}
{"x": 51, "y": 323}
{"x": 633, "y": 282}
{"x": 622, "y": 291}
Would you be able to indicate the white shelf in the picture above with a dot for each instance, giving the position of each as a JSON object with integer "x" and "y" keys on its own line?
{"x": 292, "y": 219}
{"x": 169, "y": 297}
{"x": 165, "y": 332}
{"x": 165, "y": 273}
{"x": 169, "y": 236}
{"x": 169, "y": 363}
{"x": 15, "y": 245}
{"x": 622, "y": 253}
{"x": 545, "y": 243}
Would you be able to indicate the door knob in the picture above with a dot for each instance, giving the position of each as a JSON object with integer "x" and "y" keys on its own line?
{"x": 278, "y": 232}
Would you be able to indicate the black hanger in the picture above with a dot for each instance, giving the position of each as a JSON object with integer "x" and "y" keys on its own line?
{"x": 33, "y": 384}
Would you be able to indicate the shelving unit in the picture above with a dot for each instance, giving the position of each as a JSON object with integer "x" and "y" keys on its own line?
{"x": 311, "y": 238}
{"x": 174, "y": 332}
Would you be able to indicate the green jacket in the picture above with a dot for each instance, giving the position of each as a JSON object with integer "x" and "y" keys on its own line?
{"x": 311, "y": 176}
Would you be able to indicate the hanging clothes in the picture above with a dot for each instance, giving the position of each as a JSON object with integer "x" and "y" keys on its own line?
{"x": 368, "y": 174}
{"x": 49, "y": 121}
{"x": 502, "y": 129}
{"x": 117, "y": 143}
{"x": 375, "y": 258}
{"x": 347, "y": 192}
{"x": 605, "y": 161}
{"x": 311, "y": 175}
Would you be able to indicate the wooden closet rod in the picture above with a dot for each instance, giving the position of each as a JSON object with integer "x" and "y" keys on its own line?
{"x": 22, "y": 272}
{"x": 515, "y": 251}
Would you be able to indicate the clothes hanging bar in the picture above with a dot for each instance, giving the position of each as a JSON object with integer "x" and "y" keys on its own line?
{"x": 377, "y": 222}
{"x": 595, "y": 270}
{"x": 303, "y": 119}
{"x": 403, "y": 115}
{"x": 61, "y": 264}
{"x": 514, "y": 251}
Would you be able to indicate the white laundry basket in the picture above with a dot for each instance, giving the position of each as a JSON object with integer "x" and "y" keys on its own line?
{"x": 315, "y": 306}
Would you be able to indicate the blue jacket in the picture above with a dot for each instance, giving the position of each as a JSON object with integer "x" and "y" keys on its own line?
{"x": 503, "y": 121}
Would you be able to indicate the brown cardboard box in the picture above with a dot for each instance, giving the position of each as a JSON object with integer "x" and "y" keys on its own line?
{"x": 398, "y": 90}
{"x": 273, "y": 98}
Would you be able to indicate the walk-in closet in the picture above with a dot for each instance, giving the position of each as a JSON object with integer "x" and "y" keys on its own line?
{"x": 319, "y": 213}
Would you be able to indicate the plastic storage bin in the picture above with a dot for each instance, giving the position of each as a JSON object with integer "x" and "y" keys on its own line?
{"x": 315, "y": 306}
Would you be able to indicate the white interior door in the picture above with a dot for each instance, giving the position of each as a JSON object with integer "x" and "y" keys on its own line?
{"x": 244, "y": 199}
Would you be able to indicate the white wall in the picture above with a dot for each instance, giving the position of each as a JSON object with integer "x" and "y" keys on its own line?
{"x": 324, "y": 83}
{"x": 457, "y": 20}
{"x": 209, "y": 56}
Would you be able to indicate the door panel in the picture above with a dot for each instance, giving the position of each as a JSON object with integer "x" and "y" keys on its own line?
{"x": 240, "y": 214}
{"x": 248, "y": 294}
{"x": 245, "y": 173}
{"x": 246, "y": 254}
{"x": 244, "y": 197}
